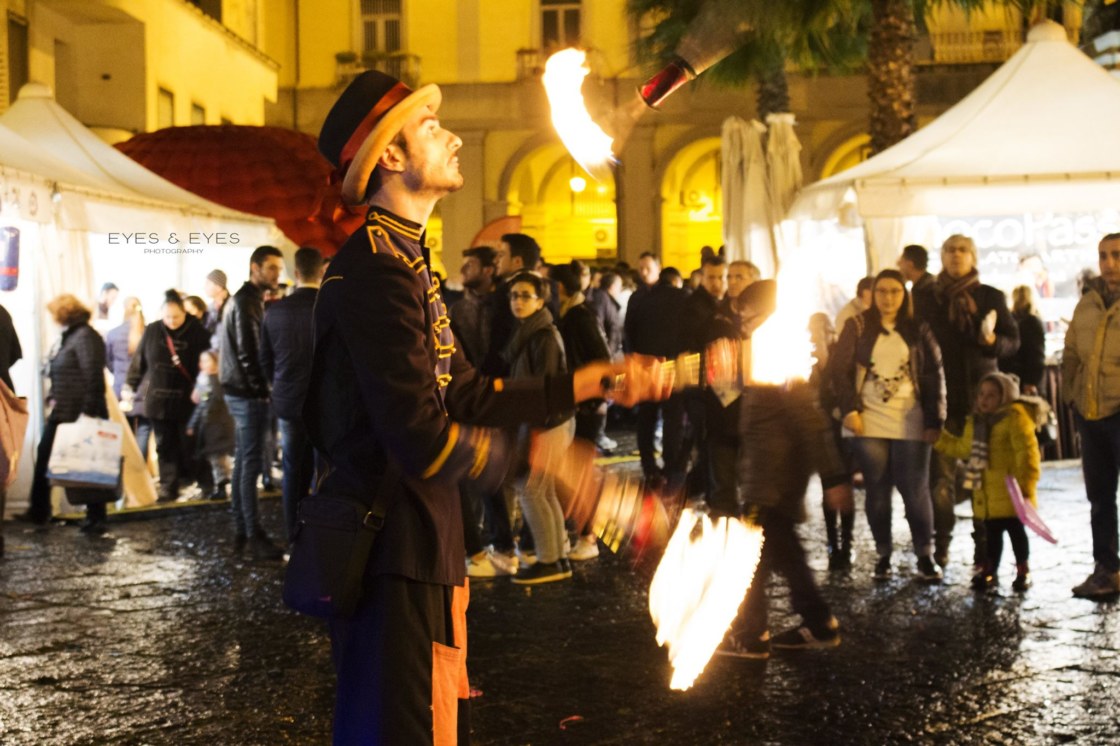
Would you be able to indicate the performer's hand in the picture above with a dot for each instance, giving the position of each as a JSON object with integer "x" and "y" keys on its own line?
{"x": 854, "y": 422}
{"x": 931, "y": 435}
{"x": 633, "y": 379}
{"x": 839, "y": 498}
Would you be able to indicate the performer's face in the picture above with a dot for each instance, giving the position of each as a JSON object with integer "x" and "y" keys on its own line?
{"x": 523, "y": 300}
{"x": 432, "y": 161}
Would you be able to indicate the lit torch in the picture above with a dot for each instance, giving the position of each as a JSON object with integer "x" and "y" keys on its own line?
{"x": 714, "y": 33}
{"x": 563, "y": 81}
{"x": 703, "y": 576}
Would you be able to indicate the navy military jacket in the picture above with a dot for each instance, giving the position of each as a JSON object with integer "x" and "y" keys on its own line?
{"x": 388, "y": 382}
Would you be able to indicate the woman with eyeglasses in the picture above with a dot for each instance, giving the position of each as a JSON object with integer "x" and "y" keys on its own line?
{"x": 536, "y": 349}
{"x": 890, "y": 387}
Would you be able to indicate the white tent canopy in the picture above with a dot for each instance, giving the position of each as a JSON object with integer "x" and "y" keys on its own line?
{"x": 167, "y": 208}
{"x": 75, "y": 213}
{"x": 1040, "y": 134}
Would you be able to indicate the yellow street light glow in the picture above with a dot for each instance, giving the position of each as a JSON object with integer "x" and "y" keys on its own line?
{"x": 577, "y": 184}
{"x": 563, "y": 80}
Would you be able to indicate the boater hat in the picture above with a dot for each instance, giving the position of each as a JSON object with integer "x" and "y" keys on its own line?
{"x": 362, "y": 123}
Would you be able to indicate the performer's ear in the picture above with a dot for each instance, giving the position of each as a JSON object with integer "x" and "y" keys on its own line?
{"x": 393, "y": 159}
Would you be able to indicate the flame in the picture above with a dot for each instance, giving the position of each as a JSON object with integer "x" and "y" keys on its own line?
{"x": 695, "y": 594}
{"x": 781, "y": 349}
{"x": 563, "y": 80}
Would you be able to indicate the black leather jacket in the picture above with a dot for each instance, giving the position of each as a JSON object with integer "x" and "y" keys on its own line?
{"x": 851, "y": 357}
{"x": 239, "y": 339}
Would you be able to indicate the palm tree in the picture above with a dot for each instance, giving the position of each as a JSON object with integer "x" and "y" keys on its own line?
{"x": 890, "y": 71}
{"x": 810, "y": 34}
{"x": 807, "y": 33}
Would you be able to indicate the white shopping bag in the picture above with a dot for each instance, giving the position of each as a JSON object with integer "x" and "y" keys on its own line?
{"x": 86, "y": 453}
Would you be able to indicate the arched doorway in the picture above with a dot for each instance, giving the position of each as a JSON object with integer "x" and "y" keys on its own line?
{"x": 852, "y": 152}
{"x": 691, "y": 204}
{"x": 571, "y": 215}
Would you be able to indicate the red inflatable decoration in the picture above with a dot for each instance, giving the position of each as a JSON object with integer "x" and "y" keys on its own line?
{"x": 267, "y": 171}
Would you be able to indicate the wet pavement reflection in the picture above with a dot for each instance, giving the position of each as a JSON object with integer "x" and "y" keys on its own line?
{"x": 157, "y": 634}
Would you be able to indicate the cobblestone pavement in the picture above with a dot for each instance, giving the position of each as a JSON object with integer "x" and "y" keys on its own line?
{"x": 157, "y": 635}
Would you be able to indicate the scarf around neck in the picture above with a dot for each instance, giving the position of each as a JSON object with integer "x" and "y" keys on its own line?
{"x": 982, "y": 425}
{"x": 956, "y": 293}
{"x": 524, "y": 330}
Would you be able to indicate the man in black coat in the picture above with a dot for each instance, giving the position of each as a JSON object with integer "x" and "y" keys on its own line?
{"x": 246, "y": 390}
{"x": 395, "y": 410}
{"x": 974, "y": 328}
{"x": 583, "y": 343}
{"x": 653, "y": 327}
{"x": 912, "y": 263}
{"x": 700, "y": 311}
{"x": 287, "y": 336}
{"x": 603, "y": 300}
{"x": 516, "y": 253}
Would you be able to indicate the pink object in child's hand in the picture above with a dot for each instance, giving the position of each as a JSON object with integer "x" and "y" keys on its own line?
{"x": 1026, "y": 512}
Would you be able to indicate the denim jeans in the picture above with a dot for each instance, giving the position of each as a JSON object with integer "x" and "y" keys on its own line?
{"x": 142, "y": 429}
{"x": 904, "y": 464}
{"x": 540, "y": 503}
{"x": 1100, "y": 463}
{"x": 298, "y": 457}
{"x": 250, "y": 417}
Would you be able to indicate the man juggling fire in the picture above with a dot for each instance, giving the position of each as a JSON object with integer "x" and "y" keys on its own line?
{"x": 400, "y": 418}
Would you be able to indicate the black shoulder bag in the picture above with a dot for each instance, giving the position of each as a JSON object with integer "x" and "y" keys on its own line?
{"x": 331, "y": 547}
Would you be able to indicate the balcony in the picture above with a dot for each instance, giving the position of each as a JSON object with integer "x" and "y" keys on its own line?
{"x": 967, "y": 47}
{"x": 530, "y": 63}
{"x": 403, "y": 66}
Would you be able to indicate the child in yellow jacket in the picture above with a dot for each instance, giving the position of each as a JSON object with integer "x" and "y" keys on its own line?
{"x": 998, "y": 441}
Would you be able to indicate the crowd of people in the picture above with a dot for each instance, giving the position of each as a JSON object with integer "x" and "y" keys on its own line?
{"x": 385, "y": 384}
{"x": 210, "y": 383}
{"x": 934, "y": 386}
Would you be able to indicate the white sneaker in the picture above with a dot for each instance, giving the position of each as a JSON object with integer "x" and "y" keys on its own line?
{"x": 484, "y": 565}
{"x": 507, "y": 564}
{"x": 527, "y": 558}
{"x": 587, "y": 548}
